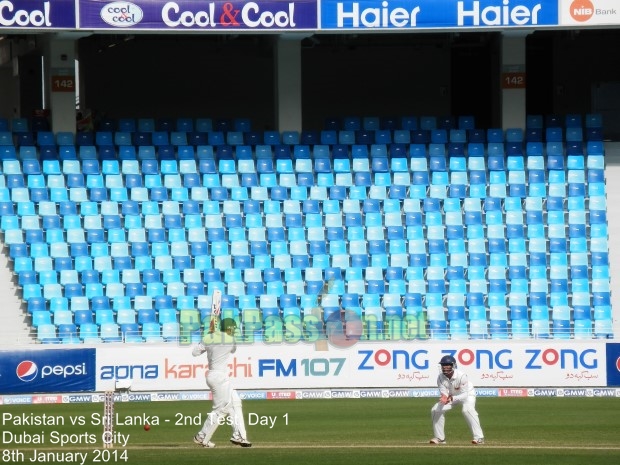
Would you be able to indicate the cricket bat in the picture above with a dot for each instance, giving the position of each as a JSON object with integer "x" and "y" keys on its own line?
{"x": 216, "y": 309}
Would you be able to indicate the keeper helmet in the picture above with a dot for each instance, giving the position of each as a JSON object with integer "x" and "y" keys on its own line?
{"x": 448, "y": 364}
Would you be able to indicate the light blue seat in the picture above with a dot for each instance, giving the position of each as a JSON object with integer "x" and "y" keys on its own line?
{"x": 110, "y": 332}
{"x": 47, "y": 334}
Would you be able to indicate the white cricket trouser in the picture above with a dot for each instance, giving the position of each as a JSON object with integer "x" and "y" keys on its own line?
{"x": 469, "y": 413}
{"x": 226, "y": 402}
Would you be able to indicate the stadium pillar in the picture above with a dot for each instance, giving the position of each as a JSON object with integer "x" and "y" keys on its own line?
{"x": 60, "y": 86}
{"x": 288, "y": 82}
{"x": 513, "y": 76}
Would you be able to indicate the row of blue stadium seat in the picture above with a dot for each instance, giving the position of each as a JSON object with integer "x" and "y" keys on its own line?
{"x": 149, "y": 124}
{"x": 21, "y": 124}
{"x": 204, "y": 124}
{"x": 185, "y": 293}
{"x": 535, "y": 179}
{"x": 106, "y": 312}
{"x": 346, "y": 122}
{"x": 157, "y": 242}
{"x": 476, "y": 303}
{"x": 45, "y": 284}
{"x": 581, "y": 290}
{"x": 438, "y": 174}
{"x": 594, "y": 275}
{"x": 534, "y": 225}
{"x": 381, "y": 163}
{"x": 512, "y": 277}
{"x": 172, "y": 332}
{"x": 319, "y": 165}
{"x": 412, "y": 253}
{"x": 109, "y": 333}
{"x": 471, "y": 235}
{"x": 25, "y": 199}
{"x": 392, "y": 328}
{"x": 439, "y": 247}
{"x": 291, "y": 138}
{"x": 435, "y": 314}
{"x": 254, "y": 212}
{"x": 356, "y": 153}
{"x": 469, "y": 210}
{"x": 415, "y": 263}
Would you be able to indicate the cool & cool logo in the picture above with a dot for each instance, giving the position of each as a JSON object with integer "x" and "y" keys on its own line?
{"x": 122, "y": 14}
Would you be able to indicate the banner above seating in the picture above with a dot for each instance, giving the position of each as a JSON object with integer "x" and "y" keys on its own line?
{"x": 302, "y": 15}
{"x": 433, "y": 14}
{"x": 184, "y": 15}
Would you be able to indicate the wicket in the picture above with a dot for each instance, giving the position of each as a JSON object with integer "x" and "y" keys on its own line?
{"x": 108, "y": 420}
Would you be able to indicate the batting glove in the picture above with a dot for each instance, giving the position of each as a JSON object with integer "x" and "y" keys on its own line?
{"x": 199, "y": 350}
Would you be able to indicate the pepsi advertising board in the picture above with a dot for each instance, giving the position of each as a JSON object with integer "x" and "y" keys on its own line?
{"x": 52, "y": 370}
{"x": 191, "y": 16}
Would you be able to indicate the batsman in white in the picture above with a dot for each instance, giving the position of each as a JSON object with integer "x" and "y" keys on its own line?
{"x": 455, "y": 389}
{"x": 218, "y": 345}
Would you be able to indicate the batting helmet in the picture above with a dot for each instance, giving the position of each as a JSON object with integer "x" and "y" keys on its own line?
{"x": 448, "y": 360}
{"x": 227, "y": 323}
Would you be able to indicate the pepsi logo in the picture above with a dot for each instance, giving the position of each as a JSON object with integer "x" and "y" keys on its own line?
{"x": 27, "y": 371}
{"x": 618, "y": 364}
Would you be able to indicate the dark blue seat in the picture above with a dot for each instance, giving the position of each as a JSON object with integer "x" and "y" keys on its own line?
{"x": 308, "y": 137}
{"x": 100, "y": 303}
{"x": 122, "y": 263}
{"x": 90, "y": 277}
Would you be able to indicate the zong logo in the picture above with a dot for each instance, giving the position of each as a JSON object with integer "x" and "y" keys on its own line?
{"x": 27, "y": 371}
{"x": 122, "y": 14}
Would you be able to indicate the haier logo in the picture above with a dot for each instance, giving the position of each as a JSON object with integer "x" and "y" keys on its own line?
{"x": 496, "y": 15}
{"x": 122, "y": 14}
{"x": 27, "y": 371}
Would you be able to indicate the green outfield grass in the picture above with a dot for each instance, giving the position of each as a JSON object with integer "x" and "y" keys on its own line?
{"x": 519, "y": 431}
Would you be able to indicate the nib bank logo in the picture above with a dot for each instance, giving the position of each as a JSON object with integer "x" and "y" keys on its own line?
{"x": 27, "y": 371}
{"x": 581, "y": 10}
